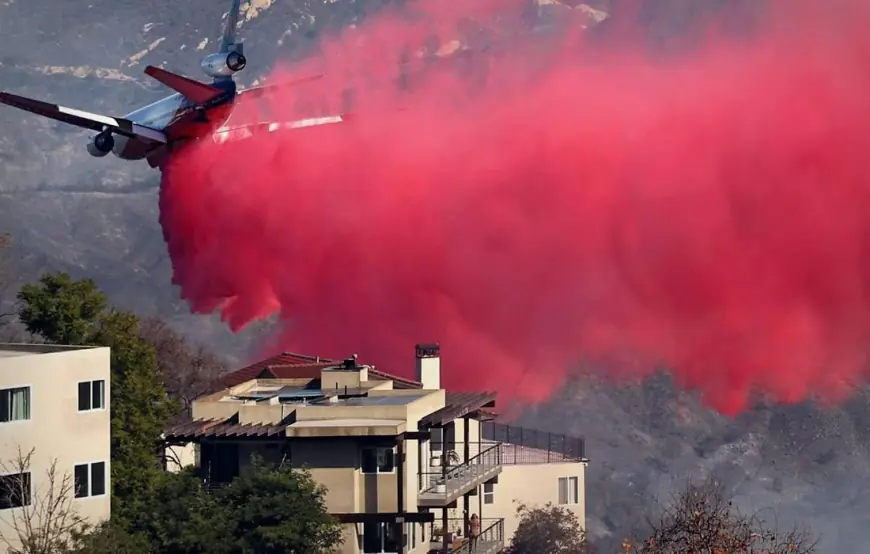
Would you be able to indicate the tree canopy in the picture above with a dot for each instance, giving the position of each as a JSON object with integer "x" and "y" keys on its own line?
{"x": 63, "y": 310}
{"x": 279, "y": 511}
{"x": 551, "y": 529}
{"x": 267, "y": 510}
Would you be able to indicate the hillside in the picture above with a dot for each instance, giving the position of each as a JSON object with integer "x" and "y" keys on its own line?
{"x": 98, "y": 218}
{"x": 800, "y": 464}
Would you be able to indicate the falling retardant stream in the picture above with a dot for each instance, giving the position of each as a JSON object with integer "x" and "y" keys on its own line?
{"x": 554, "y": 201}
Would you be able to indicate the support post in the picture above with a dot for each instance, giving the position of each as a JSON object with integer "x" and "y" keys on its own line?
{"x": 466, "y": 436}
{"x": 400, "y": 490}
{"x": 445, "y": 542}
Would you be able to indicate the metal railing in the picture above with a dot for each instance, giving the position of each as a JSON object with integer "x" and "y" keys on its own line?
{"x": 458, "y": 450}
{"x": 212, "y": 486}
{"x": 529, "y": 446}
{"x": 490, "y": 537}
{"x": 458, "y": 469}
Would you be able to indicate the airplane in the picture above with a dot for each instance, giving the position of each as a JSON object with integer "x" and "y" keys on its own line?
{"x": 197, "y": 110}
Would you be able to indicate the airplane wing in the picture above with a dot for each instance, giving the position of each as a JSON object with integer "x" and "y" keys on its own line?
{"x": 94, "y": 122}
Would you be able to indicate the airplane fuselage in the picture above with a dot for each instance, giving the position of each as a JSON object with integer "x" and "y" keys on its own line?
{"x": 180, "y": 118}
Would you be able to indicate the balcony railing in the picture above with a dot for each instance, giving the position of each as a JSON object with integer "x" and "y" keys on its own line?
{"x": 441, "y": 487}
{"x": 489, "y": 541}
{"x": 529, "y": 446}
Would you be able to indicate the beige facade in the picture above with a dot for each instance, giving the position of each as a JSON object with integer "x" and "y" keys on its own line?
{"x": 535, "y": 484}
{"x": 54, "y": 405}
{"x": 379, "y": 445}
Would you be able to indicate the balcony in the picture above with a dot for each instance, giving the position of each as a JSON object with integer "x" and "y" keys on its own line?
{"x": 438, "y": 489}
{"x": 528, "y": 446}
{"x": 490, "y": 540}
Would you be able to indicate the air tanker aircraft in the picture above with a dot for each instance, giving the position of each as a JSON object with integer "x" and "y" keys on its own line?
{"x": 195, "y": 111}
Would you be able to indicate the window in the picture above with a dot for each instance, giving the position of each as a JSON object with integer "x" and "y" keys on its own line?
{"x": 90, "y": 479}
{"x": 568, "y": 490}
{"x": 381, "y": 538}
{"x": 378, "y": 460}
{"x": 437, "y": 440}
{"x": 450, "y": 436}
{"x": 15, "y": 404}
{"x": 14, "y": 490}
{"x": 92, "y": 395}
{"x": 488, "y": 493}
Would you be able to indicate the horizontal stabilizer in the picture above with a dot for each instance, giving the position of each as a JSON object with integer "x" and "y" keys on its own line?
{"x": 79, "y": 118}
{"x": 265, "y": 90}
{"x": 194, "y": 91}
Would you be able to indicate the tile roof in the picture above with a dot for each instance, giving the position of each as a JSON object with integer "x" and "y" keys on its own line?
{"x": 289, "y": 365}
{"x": 283, "y": 359}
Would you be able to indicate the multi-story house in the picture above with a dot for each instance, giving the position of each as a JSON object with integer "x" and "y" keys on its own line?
{"x": 54, "y": 413}
{"x": 406, "y": 464}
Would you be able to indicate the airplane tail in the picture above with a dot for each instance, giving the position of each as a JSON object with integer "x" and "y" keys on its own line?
{"x": 228, "y": 41}
{"x": 200, "y": 93}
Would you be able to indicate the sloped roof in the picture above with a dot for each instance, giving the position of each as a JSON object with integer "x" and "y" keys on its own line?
{"x": 284, "y": 359}
{"x": 289, "y": 365}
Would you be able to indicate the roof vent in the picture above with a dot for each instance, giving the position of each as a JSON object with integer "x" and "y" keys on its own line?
{"x": 350, "y": 363}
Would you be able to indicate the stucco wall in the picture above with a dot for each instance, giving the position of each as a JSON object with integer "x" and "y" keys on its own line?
{"x": 56, "y": 430}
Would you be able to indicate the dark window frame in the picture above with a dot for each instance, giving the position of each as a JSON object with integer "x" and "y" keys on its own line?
{"x": 6, "y": 497}
{"x": 88, "y": 391}
{"x": 377, "y": 535}
{"x": 6, "y": 406}
{"x": 374, "y": 465}
{"x": 89, "y": 479}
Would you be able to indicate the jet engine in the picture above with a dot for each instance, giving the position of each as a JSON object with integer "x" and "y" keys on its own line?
{"x": 101, "y": 144}
{"x": 224, "y": 65}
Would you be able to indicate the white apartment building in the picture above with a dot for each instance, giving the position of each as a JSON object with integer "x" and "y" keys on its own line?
{"x": 54, "y": 408}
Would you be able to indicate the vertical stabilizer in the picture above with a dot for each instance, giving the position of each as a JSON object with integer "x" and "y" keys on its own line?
{"x": 229, "y": 37}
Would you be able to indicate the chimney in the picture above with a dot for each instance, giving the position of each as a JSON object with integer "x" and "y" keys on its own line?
{"x": 429, "y": 365}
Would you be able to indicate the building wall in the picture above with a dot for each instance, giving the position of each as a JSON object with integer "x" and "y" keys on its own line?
{"x": 56, "y": 430}
{"x": 181, "y": 456}
{"x": 533, "y": 485}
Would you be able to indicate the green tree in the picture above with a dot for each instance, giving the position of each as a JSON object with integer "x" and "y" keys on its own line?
{"x": 279, "y": 511}
{"x": 108, "y": 538}
{"x": 61, "y": 310}
{"x": 140, "y": 412}
{"x": 67, "y": 311}
{"x": 265, "y": 511}
{"x": 551, "y": 529}
{"x": 180, "y": 517}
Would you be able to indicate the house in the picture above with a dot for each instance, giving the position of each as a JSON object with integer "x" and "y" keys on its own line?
{"x": 54, "y": 412}
{"x": 405, "y": 462}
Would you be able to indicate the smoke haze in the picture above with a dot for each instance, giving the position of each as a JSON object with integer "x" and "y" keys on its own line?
{"x": 554, "y": 200}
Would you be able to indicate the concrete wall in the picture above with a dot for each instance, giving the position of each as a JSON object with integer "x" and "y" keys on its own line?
{"x": 56, "y": 430}
{"x": 181, "y": 456}
{"x": 533, "y": 485}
